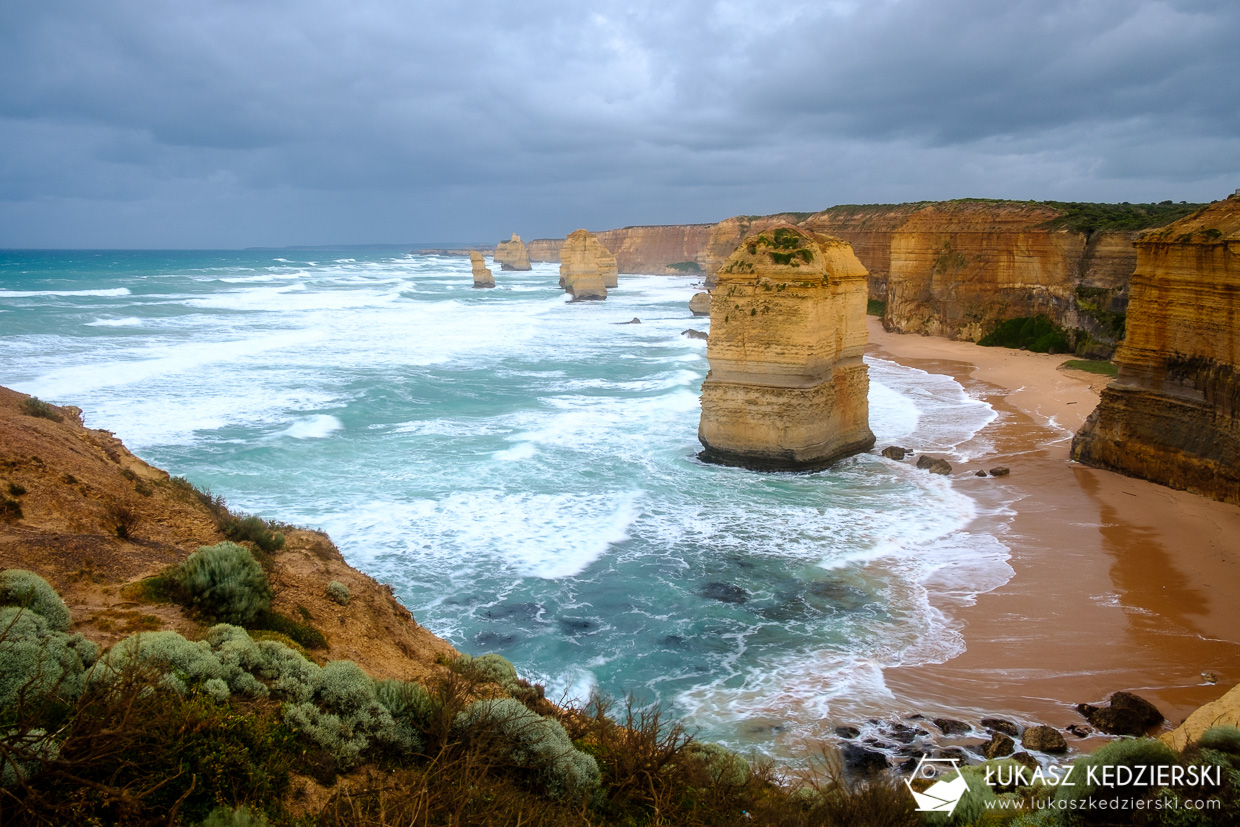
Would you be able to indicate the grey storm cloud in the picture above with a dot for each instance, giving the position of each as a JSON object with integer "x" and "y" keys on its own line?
{"x": 179, "y": 123}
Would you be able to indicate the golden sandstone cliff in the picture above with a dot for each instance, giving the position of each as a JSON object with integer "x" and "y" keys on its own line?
{"x": 1172, "y": 414}
{"x": 587, "y": 268}
{"x": 787, "y": 388}
{"x": 512, "y": 254}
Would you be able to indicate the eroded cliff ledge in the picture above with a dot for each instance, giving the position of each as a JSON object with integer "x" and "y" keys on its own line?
{"x": 512, "y": 254}
{"x": 787, "y": 388}
{"x": 655, "y": 250}
{"x": 1172, "y": 414}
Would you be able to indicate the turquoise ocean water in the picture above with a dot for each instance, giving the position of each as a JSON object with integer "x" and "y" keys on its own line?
{"x": 522, "y": 470}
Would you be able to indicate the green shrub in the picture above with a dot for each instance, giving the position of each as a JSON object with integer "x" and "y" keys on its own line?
{"x": 338, "y": 592}
{"x": 253, "y": 529}
{"x": 34, "y": 406}
{"x": 10, "y": 510}
{"x": 291, "y": 676}
{"x": 875, "y": 307}
{"x": 19, "y": 587}
{"x": 492, "y": 667}
{"x": 1037, "y": 333}
{"x": 225, "y": 582}
{"x": 1130, "y": 752}
{"x": 240, "y": 817}
{"x": 24, "y": 755}
{"x": 1222, "y": 738}
{"x": 182, "y": 662}
{"x": 38, "y": 662}
{"x": 725, "y": 767}
{"x": 303, "y": 634}
{"x": 534, "y": 743}
{"x": 1099, "y": 366}
{"x": 16, "y": 489}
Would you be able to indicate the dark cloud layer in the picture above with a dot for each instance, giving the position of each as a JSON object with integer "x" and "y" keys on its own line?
{"x": 230, "y": 123}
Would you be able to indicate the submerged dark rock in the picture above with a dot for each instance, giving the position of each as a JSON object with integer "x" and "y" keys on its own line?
{"x": 1001, "y": 725}
{"x": 934, "y": 465}
{"x": 895, "y": 452}
{"x": 848, "y": 732}
{"x": 694, "y": 334}
{"x": 725, "y": 592}
{"x": 950, "y": 726}
{"x": 577, "y": 625}
{"x": 862, "y": 760}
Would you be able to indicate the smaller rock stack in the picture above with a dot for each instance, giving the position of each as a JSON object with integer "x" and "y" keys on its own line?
{"x": 512, "y": 254}
{"x": 482, "y": 276}
{"x": 587, "y": 268}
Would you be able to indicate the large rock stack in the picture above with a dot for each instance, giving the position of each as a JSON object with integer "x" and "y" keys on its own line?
{"x": 1172, "y": 414}
{"x": 512, "y": 254}
{"x": 787, "y": 388}
{"x": 482, "y": 276}
{"x": 587, "y": 268}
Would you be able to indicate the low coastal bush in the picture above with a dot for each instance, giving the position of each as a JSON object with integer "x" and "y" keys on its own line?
{"x": 248, "y": 528}
{"x": 875, "y": 307}
{"x": 19, "y": 587}
{"x": 225, "y": 582}
{"x": 338, "y": 592}
{"x": 533, "y": 742}
{"x": 1037, "y": 333}
{"x": 1098, "y": 366}
{"x": 34, "y": 406}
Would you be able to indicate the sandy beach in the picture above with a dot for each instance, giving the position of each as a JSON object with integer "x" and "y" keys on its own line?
{"x": 1118, "y": 584}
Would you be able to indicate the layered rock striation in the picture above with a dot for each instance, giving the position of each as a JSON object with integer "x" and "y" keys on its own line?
{"x": 587, "y": 268}
{"x": 1172, "y": 414}
{"x": 787, "y": 388}
{"x": 482, "y": 275}
{"x": 512, "y": 254}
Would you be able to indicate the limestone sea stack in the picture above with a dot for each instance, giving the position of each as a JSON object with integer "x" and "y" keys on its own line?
{"x": 699, "y": 305}
{"x": 587, "y": 268}
{"x": 787, "y": 389}
{"x": 482, "y": 276}
{"x": 1172, "y": 414}
{"x": 512, "y": 254}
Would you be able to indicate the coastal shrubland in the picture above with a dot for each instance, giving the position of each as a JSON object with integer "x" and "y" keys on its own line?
{"x": 163, "y": 729}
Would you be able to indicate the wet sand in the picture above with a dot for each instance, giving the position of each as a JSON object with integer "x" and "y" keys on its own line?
{"x": 1119, "y": 583}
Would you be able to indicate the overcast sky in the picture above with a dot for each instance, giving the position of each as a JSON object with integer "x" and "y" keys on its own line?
{"x": 230, "y": 123}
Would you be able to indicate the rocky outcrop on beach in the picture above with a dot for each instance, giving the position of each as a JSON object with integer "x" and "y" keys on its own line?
{"x": 587, "y": 268}
{"x": 1172, "y": 414}
{"x": 482, "y": 275}
{"x": 512, "y": 254}
{"x": 787, "y": 388}
{"x": 1225, "y": 711}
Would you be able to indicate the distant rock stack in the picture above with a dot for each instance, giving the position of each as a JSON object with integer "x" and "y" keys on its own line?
{"x": 512, "y": 254}
{"x": 587, "y": 268}
{"x": 482, "y": 276}
{"x": 787, "y": 389}
{"x": 1172, "y": 414}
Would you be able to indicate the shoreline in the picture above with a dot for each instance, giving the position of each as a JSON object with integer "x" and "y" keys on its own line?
{"x": 1113, "y": 584}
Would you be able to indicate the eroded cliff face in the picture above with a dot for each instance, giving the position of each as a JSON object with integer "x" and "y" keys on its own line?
{"x": 587, "y": 268}
{"x": 725, "y": 237}
{"x": 787, "y": 387}
{"x": 656, "y": 250}
{"x": 482, "y": 274}
{"x": 1172, "y": 415}
{"x": 959, "y": 268}
{"x": 512, "y": 254}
